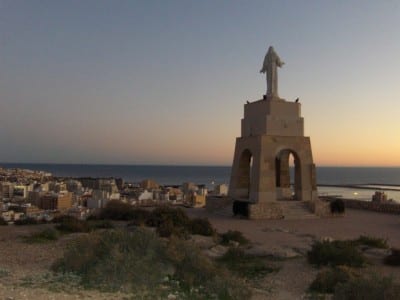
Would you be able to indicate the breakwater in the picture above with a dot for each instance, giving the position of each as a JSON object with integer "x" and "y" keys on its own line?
{"x": 383, "y": 207}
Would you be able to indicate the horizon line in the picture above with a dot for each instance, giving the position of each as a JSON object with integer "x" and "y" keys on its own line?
{"x": 180, "y": 165}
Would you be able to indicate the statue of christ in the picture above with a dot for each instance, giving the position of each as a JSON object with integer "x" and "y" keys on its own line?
{"x": 270, "y": 66}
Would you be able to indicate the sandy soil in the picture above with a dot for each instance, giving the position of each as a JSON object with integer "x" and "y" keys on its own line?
{"x": 19, "y": 260}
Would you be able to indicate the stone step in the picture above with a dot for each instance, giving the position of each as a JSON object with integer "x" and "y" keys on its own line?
{"x": 303, "y": 217}
{"x": 296, "y": 210}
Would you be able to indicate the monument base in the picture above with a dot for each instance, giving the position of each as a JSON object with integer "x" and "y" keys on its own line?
{"x": 270, "y": 211}
{"x": 261, "y": 173}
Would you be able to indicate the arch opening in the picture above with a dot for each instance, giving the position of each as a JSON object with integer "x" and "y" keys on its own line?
{"x": 245, "y": 174}
{"x": 288, "y": 175}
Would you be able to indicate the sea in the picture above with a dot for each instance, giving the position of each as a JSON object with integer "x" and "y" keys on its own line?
{"x": 347, "y": 182}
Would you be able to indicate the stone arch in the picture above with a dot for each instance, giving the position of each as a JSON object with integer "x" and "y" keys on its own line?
{"x": 282, "y": 175}
{"x": 245, "y": 173}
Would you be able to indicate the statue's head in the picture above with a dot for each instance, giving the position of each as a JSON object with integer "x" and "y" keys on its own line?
{"x": 270, "y": 49}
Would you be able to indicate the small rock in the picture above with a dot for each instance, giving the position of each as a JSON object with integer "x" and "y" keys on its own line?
{"x": 284, "y": 230}
{"x": 216, "y": 251}
{"x": 203, "y": 242}
{"x": 274, "y": 252}
{"x": 326, "y": 239}
{"x": 257, "y": 251}
{"x": 234, "y": 244}
{"x": 286, "y": 253}
{"x": 171, "y": 297}
{"x": 377, "y": 252}
{"x": 301, "y": 251}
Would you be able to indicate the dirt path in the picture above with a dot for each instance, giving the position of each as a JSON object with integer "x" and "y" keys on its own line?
{"x": 297, "y": 233}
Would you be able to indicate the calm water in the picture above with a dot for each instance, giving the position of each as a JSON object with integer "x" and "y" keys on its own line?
{"x": 210, "y": 175}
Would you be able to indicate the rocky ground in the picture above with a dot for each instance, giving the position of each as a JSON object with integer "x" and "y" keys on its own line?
{"x": 291, "y": 239}
{"x": 24, "y": 267}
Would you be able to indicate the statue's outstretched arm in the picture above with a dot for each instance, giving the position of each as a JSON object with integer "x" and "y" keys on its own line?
{"x": 264, "y": 66}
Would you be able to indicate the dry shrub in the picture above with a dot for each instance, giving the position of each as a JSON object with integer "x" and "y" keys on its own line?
{"x": 335, "y": 253}
{"x": 194, "y": 269}
{"x": 176, "y": 216}
{"x": 27, "y": 221}
{"x": 46, "y": 235}
{"x": 372, "y": 242}
{"x": 70, "y": 225}
{"x": 139, "y": 217}
{"x": 201, "y": 226}
{"x": 117, "y": 210}
{"x": 167, "y": 229}
{"x": 100, "y": 224}
{"x": 245, "y": 265}
{"x": 372, "y": 287}
{"x": 328, "y": 279}
{"x": 140, "y": 261}
{"x": 116, "y": 260}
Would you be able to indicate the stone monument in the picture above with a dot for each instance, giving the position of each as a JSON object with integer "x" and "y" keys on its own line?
{"x": 272, "y": 129}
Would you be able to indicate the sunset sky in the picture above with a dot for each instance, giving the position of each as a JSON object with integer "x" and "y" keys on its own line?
{"x": 164, "y": 82}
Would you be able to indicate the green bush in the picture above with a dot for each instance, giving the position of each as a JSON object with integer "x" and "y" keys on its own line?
{"x": 27, "y": 221}
{"x": 94, "y": 216}
{"x": 167, "y": 229}
{"x": 116, "y": 259}
{"x": 135, "y": 261}
{"x": 175, "y": 215}
{"x": 3, "y": 222}
{"x": 63, "y": 218}
{"x": 373, "y": 287}
{"x": 169, "y": 221}
{"x": 327, "y": 280}
{"x": 4, "y": 272}
{"x": 201, "y": 226}
{"x": 248, "y": 266}
{"x": 100, "y": 224}
{"x": 139, "y": 217}
{"x": 46, "y": 235}
{"x": 233, "y": 235}
{"x": 337, "y": 206}
{"x": 335, "y": 253}
{"x": 70, "y": 225}
{"x": 117, "y": 210}
{"x": 394, "y": 258}
{"x": 194, "y": 269}
{"x": 372, "y": 242}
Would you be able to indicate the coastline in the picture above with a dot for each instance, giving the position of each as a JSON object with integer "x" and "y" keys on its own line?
{"x": 348, "y": 182}
{"x": 368, "y": 186}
